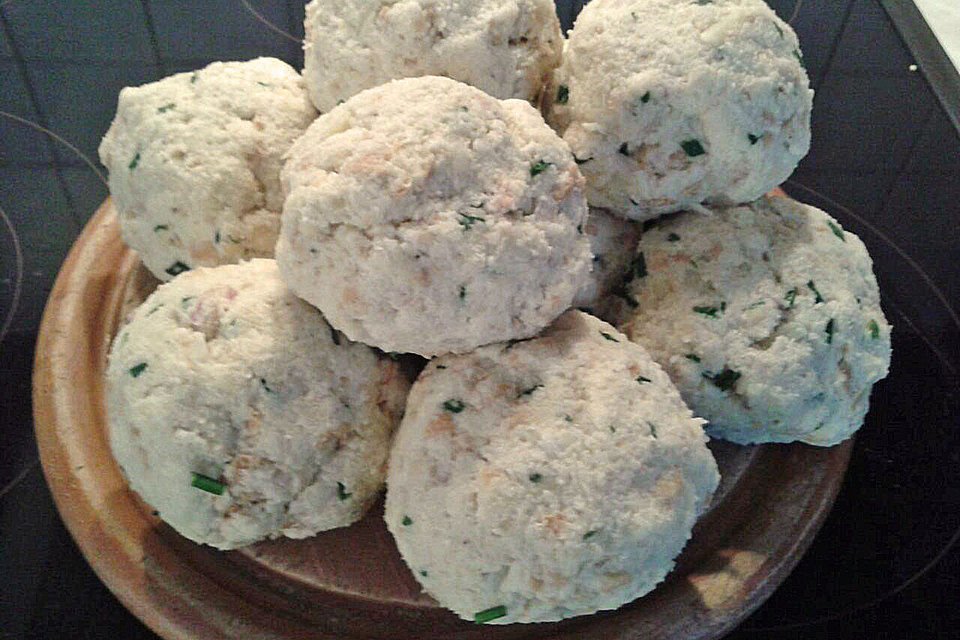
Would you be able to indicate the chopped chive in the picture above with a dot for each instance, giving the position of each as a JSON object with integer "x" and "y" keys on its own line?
{"x": 263, "y": 84}
{"x": 335, "y": 336}
{"x": 830, "y": 329}
{"x": 193, "y": 77}
{"x": 527, "y": 392}
{"x": 407, "y": 521}
{"x": 568, "y": 418}
{"x": 441, "y": 366}
{"x": 424, "y": 574}
{"x": 535, "y": 477}
{"x": 874, "y": 329}
{"x": 216, "y": 237}
{"x": 791, "y": 297}
{"x": 342, "y": 492}
{"x": 642, "y": 379}
{"x": 612, "y": 428}
{"x": 539, "y": 167}
{"x": 207, "y": 484}
{"x": 673, "y": 237}
{"x": 725, "y": 380}
{"x": 693, "y": 148}
{"x": 623, "y": 149}
{"x": 466, "y": 220}
{"x": 640, "y": 265}
{"x": 563, "y": 94}
{"x": 753, "y": 139}
{"x": 339, "y": 102}
{"x": 580, "y": 228}
{"x": 185, "y": 300}
{"x": 813, "y": 288}
{"x": 645, "y": 98}
{"x": 166, "y": 108}
{"x": 489, "y": 614}
{"x": 160, "y": 227}
{"x": 463, "y": 291}
{"x": 454, "y": 406}
{"x": 758, "y": 303}
{"x": 608, "y": 336}
{"x": 177, "y": 268}
{"x": 133, "y": 163}
{"x": 837, "y": 231}
{"x": 579, "y": 161}
{"x": 266, "y": 387}
{"x": 137, "y": 369}
{"x": 590, "y": 534}
{"x": 692, "y": 357}
{"x": 707, "y": 311}
{"x": 653, "y": 429}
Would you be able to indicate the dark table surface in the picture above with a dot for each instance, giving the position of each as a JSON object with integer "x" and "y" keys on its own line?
{"x": 885, "y": 161}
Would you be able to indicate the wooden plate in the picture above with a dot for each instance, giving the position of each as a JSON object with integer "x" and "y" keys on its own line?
{"x": 351, "y": 582}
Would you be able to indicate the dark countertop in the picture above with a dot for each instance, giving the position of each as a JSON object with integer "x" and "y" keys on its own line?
{"x": 885, "y": 161}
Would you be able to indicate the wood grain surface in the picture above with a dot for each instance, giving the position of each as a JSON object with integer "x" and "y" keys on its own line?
{"x": 351, "y": 582}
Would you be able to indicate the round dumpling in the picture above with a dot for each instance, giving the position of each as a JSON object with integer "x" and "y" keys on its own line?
{"x": 194, "y": 162}
{"x": 239, "y": 414}
{"x": 507, "y": 48}
{"x": 545, "y": 479}
{"x": 425, "y": 216}
{"x": 767, "y": 318}
{"x": 668, "y": 104}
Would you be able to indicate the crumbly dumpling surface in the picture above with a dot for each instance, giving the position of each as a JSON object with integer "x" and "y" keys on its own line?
{"x": 613, "y": 243}
{"x": 668, "y": 104}
{"x": 507, "y": 48}
{"x": 767, "y": 317}
{"x": 224, "y": 373}
{"x": 194, "y": 162}
{"x": 548, "y": 478}
{"x": 425, "y": 216}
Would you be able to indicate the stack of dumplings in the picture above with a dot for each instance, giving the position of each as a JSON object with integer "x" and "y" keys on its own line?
{"x": 600, "y": 286}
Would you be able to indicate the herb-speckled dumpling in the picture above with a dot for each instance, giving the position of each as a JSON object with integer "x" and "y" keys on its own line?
{"x": 767, "y": 317}
{"x": 548, "y": 478}
{"x": 667, "y": 104}
{"x": 239, "y": 414}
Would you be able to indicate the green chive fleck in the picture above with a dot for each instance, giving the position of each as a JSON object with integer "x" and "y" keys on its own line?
{"x": 407, "y": 521}
{"x": 608, "y": 336}
{"x": 579, "y": 161}
{"x": 813, "y": 288}
{"x": 874, "y": 329}
{"x": 160, "y": 227}
{"x": 563, "y": 94}
{"x": 342, "y": 491}
{"x": 645, "y": 98}
{"x": 454, "y": 406}
{"x": 263, "y": 84}
{"x": 539, "y": 167}
{"x": 791, "y": 297}
{"x": 535, "y": 477}
{"x": 758, "y": 303}
{"x": 753, "y": 139}
{"x": 612, "y": 428}
{"x": 177, "y": 268}
{"x": 166, "y": 108}
{"x": 463, "y": 291}
{"x": 837, "y": 231}
{"x": 725, "y": 380}
{"x": 441, "y": 366}
{"x": 653, "y": 429}
{"x": 693, "y": 148}
{"x": 193, "y": 77}
{"x": 692, "y": 357}
{"x": 207, "y": 484}
{"x": 424, "y": 574}
{"x": 642, "y": 379}
{"x": 467, "y": 221}
{"x": 640, "y": 266}
{"x": 568, "y": 418}
{"x": 489, "y": 614}
{"x": 527, "y": 392}
{"x": 829, "y": 329}
{"x": 707, "y": 311}
{"x": 673, "y": 237}
{"x": 339, "y": 102}
{"x": 133, "y": 163}
{"x": 590, "y": 534}
{"x": 623, "y": 149}
{"x": 137, "y": 369}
